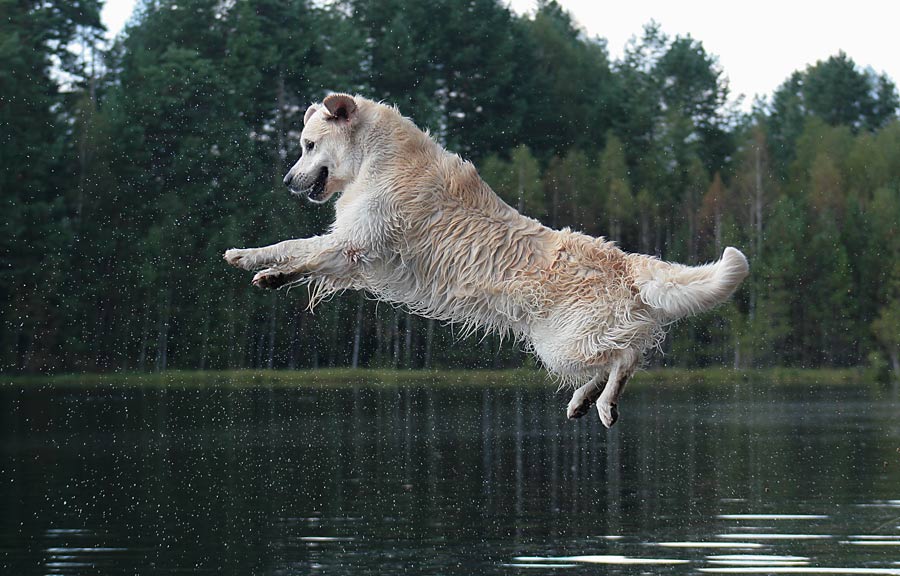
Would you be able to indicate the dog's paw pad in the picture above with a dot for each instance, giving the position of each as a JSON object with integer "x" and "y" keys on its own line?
{"x": 272, "y": 278}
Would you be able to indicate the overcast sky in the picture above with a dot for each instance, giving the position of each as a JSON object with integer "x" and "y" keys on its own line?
{"x": 758, "y": 43}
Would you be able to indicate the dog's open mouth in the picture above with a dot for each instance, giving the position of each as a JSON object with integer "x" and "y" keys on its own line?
{"x": 317, "y": 190}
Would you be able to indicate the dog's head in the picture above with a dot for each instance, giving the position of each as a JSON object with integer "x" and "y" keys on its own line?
{"x": 327, "y": 162}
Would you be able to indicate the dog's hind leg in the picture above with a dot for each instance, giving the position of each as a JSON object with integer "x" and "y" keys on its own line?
{"x": 585, "y": 397}
{"x": 622, "y": 370}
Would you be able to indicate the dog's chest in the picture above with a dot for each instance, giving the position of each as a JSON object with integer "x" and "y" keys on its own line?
{"x": 359, "y": 219}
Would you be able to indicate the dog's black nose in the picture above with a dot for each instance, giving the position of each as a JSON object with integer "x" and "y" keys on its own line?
{"x": 287, "y": 179}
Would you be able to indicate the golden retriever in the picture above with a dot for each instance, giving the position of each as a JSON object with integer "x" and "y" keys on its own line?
{"x": 415, "y": 225}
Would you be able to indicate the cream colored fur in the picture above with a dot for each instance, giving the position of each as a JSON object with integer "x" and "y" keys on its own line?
{"x": 415, "y": 225}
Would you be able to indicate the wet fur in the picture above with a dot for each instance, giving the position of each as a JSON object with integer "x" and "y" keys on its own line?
{"x": 415, "y": 225}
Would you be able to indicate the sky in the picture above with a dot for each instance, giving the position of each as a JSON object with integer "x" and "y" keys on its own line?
{"x": 758, "y": 43}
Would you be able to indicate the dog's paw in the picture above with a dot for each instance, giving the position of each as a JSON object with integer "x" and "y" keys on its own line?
{"x": 578, "y": 407}
{"x": 582, "y": 400}
{"x": 609, "y": 412}
{"x": 238, "y": 257}
{"x": 272, "y": 278}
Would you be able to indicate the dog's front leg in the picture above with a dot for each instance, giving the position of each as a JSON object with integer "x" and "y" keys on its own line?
{"x": 268, "y": 256}
{"x": 292, "y": 260}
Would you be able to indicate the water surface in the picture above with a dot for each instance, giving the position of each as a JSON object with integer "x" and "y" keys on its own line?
{"x": 745, "y": 478}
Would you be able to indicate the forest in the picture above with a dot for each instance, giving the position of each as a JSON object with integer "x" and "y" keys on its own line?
{"x": 126, "y": 169}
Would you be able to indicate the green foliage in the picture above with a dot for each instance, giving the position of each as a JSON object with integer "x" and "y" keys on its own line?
{"x": 125, "y": 173}
{"x": 615, "y": 189}
{"x": 834, "y": 91}
{"x": 776, "y": 317}
{"x": 517, "y": 181}
{"x": 458, "y": 79}
{"x": 570, "y": 186}
{"x": 570, "y": 95}
{"x": 35, "y": 181}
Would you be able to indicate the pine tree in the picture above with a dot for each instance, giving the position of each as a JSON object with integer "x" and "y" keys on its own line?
{"x": 569, "y": 184}
{"x": 571, "y": 102}
{"x": 615, "y": 190}
{"x": 517, "y": 181}
{"x": 836, "y": 92}
{"x": 35, "y": 177}
{"x": 712, "y": 213}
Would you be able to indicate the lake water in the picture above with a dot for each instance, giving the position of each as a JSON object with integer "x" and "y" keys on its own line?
{"x": 742, "y": 478}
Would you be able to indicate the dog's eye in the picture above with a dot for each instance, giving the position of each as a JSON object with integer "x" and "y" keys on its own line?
{"x": 309, "y": 146}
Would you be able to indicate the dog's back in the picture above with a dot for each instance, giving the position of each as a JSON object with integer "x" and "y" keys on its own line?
{"x": 463, "y": 255}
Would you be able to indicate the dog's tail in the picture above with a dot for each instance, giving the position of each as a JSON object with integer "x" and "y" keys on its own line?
{"x": 680, "y": 290}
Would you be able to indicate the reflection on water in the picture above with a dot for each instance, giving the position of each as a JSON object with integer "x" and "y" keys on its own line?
{"x": 432, "y": 480}
{"x": 688, "y": 544}
{"x": 757, "y": 560}
{"x": 801, "y": 570}
{"x": 758, "y": 536}
{"x": 772, "y": 516}
{"x": 600, "y": 559}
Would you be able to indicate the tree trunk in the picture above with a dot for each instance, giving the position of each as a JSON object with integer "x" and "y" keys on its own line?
{"x": 645, "y": 234}
{"x": 232, "y": 331}
{"x": 204, "y": 349}
{"x": 273, "y": 319}
{"x": 162, "y": 338}
{"x": 718, "y": 230}
{"x": 756, "y": 219}
{"x": 395, "y": 338}
{"x": 145, "y": 336}
{"x": 521, "y": 204}
{"x": 429, "y": 343}
{"x": 379, "y": 339}
{"x": 85, "y": 151}
{"x": 407, "y": 342}
{"x": 357, "y": 333}
{"x": 260, "y": 346}
{"x": 335, "y": 332}
{"x": 692, "y": 229}
{"x": 296, "y": 329}
{"x": 247, "y": 340}
{"x": 758, "y": 203}
{"x": 313, "y": 341}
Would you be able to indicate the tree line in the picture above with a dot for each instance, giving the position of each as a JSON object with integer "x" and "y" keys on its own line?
{"x": 126, "y": 171}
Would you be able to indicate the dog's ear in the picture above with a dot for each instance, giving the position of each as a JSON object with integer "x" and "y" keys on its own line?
{"x": 340, "y": 107}
{"x": 309, "y": 112}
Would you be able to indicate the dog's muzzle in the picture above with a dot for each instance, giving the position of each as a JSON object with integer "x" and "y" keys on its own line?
{"x": 314, "y": 190}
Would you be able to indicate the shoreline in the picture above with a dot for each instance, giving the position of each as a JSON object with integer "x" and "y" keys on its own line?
{"x": 371, "y": 377}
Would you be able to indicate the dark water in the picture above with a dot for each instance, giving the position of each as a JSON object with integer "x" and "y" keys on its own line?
{"x": 417, "y": 480}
